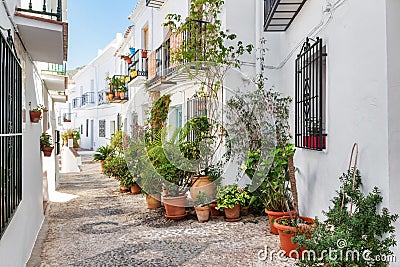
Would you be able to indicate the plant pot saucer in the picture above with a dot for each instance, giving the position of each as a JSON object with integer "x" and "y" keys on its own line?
{"x": 233, "y": 219}
{"x": 176, "y": 217}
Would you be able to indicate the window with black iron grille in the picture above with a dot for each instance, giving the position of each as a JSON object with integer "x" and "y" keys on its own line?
{"x": 102, "y": 128}
{"x": 196, "y": 107}
{"x": 87, "y": 128}
{"x": 10, "y": 132}
{"x": 310, "y": 96}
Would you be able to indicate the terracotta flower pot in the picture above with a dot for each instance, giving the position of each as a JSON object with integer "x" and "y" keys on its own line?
{"x": 213, "y": 210}
{"x": 287, "y": 232}
{"x": 153, "y": 201}
{"x": 47, "y": 150}
{"x": 124, "y": 189}
{"x": 244, "y": 211}
{"x": 122, "y": 95}
{"x": 102, "y": 165}
{"x": 273, "y": 215}
{"x": 175, "y": 207}
{"x": 135, "y": 189}
{"x": 203, "y": 213}
{"x": 202, "y": 184}
{"x": 232, "y": 214}
{"x": 35, "y": 116}
{"x": 144, "y": 54}
{"x": 117, "y": 94}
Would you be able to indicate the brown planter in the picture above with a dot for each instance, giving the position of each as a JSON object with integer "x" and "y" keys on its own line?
{"x": 273, "y": 215}
{"x": 135, "y": 189}
{"x": 213, "y": 209}
{"x": 153, "y": 201}
{"x": 47, "y": 150}
{"x": 102, "y": 166}
{"x": 124, "y": 189}
{"x": 202, "y": 184}
{"x": 175, "y": 207}
{"x": 232, "y": 215}
{"x": 244, "y": 211}
{"x": 144, "y": 54}
{"x": 122, "y": 95}
{"x": 203, "y": 213}
{"x": 35, "y": 116}
{"x": 116, "y": 94}
{"x": 287, "y": 232}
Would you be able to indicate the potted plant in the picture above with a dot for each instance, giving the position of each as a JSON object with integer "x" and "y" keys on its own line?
{"x": 314, "y": 137}
{"x": 144, "y": 53}
{"x": 122, "y": 93}
{"x": 356, "y": 222}
{"x": 202, "y": 208}
{"x": 46, "y": 144}
{"x": 230, "y": 198}
{"x": 102, "y": 153}
{"x": 132, "y": 50}
{"x": 127, "y": 59}
{"x": 290, "y": 226}
{"x": 36, "y": 113}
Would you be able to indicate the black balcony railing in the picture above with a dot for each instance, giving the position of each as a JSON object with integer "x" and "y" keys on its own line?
{"x": 102, "y": 98}
{"x": 139, "y": 65}
{"x": 279, "y": 14}
{"x": 10, "y": 133}
{"x": 77, "y": 102}
{"x": 46, "y": 9}
{"x": 67, "y": 117}
{"x": 155, "y": 3}
{"x": 88, "y": 98}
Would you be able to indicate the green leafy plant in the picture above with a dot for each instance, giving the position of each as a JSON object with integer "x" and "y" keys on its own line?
{"x": 119, "y": 141}
{"x": 230, "y": 195}
{"x": 202, "y": 199}
{"x": 353, "y": 223}
{"x": 103, "y": 152}
{"x": 118, "y": 83}
{"x": 39, "y": 108}
{"x": 46, "y": 140}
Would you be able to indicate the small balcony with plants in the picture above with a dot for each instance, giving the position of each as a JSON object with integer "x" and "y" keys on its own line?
{"x": 43, "y": 20}
{"x": 118, "y": 89}
{"x": 138, "y": 67}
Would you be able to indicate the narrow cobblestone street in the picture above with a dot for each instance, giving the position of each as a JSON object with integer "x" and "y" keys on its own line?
{"x": 103, "y": 227}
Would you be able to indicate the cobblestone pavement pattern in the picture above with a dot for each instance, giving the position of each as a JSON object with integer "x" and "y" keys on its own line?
{"x": 103, "y": 227}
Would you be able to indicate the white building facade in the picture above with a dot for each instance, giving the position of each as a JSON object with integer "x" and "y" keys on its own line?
{"x": 34, "y": 50}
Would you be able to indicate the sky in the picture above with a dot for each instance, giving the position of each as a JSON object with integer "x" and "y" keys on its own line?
{"x": 93, "y": 25}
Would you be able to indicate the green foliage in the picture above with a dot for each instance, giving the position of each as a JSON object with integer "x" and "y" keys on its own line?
{"x": 46, "y": 140}
{"x": 118, "y": 168}
{"x": 274, "y": 191}
{"x": 230, "y": 195}
{"x": 159, "y": 114}
{"x": 364, "y": 229}
{"x": 117, "y": 83}
{"x": 39, "y": 108}
{"x": 103, "y": 152}
{"x": 119, "y": 141}
{"x": 203, "y": 199}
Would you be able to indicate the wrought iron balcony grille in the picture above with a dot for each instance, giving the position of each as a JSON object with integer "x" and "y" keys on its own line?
{"x": 101, "y": 98}
{"x": 155, "y": 3}
{"x": 88, "y": 98}
{"x": 310, "y": 96}
{"x": 10, "y": 132}
{"x": 46, "y": 9}
{"x": 196, "y": 107}
{"x": 77, "y": 102}
{"x": 139, "y": 65}
{"x": 279, "y": 14}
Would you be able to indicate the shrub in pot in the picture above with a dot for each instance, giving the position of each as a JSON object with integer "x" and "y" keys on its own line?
{"x": 46, "y": 144}
{"x": 202, "y": 207}
{"x": 355, "y": 222}
{"x": 101, "y": 154}
{"x": 230, "y": 198}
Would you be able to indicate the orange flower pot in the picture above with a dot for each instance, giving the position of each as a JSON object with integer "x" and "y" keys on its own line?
{"x": 273, "y": 215}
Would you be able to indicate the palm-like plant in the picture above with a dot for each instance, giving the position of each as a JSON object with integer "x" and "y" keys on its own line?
{"x": 103, "y": 152}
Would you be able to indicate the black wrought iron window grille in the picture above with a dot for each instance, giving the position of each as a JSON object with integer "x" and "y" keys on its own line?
{"x": 196, "y": 107}
{"x": 10, "y": 132}
{"x": 310, "y": 96}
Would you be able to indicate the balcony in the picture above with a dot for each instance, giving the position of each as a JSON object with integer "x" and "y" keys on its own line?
{"x": 155, "y": 3}
{"x": 87, "y": 98}
{"x": 102, "y": 98}
{"x": 54, "y": 76}
{"x": 77, "y": 102}
{"x": 67, "y": 117}
{"x": 59, "y": 96}
{"x": 41, "y": 26}
{"x": 279, "y": 14}
{"x": 118, "y": 92}
{"x": 139, "y": 65}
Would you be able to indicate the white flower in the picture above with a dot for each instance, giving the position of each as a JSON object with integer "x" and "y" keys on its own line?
{"x": 244, "y": 167}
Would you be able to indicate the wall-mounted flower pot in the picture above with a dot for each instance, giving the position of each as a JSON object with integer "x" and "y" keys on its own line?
{"x": 314, "y": 141}
{"x": 47, "y": 150}
{"x": 128, "y": 60}
{"x": 144, "y": 54}
{"x": 122, "y": 95}
{"x": 132, "y": 50}
{"x": 35, "y": 116}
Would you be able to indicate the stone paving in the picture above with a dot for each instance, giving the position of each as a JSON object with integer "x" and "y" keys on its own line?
{"x": 103, "y": 227}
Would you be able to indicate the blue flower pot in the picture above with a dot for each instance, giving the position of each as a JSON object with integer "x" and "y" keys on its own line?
{"x": 132, "y": 50}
